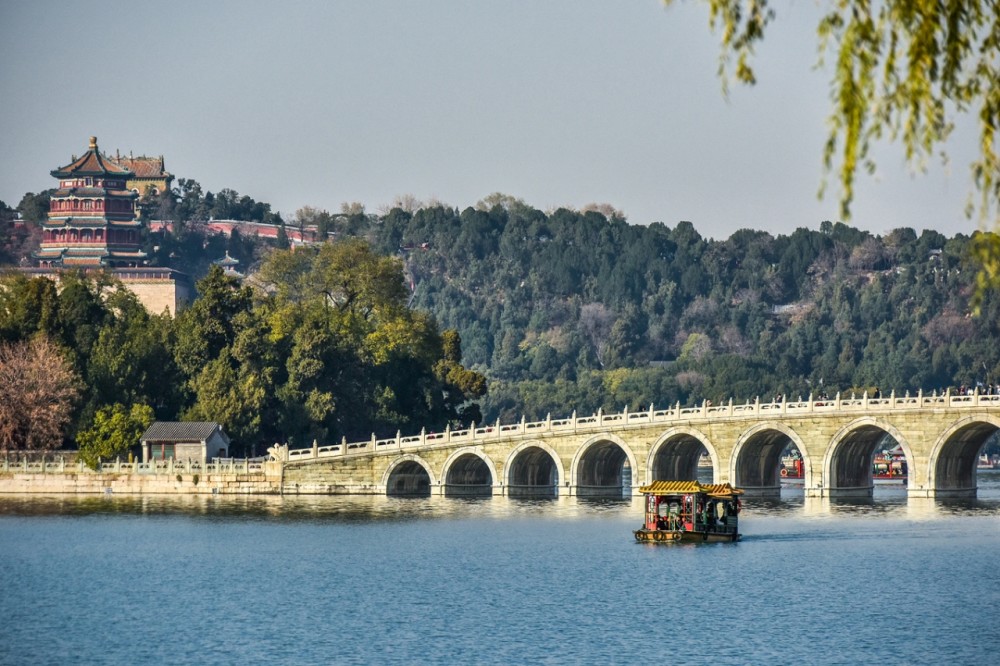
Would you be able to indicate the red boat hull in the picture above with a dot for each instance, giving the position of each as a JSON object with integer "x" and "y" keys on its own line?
{"x": 683, "y": 536}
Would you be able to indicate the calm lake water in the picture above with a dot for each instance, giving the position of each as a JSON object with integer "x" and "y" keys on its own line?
{"x": 112, "y": 580}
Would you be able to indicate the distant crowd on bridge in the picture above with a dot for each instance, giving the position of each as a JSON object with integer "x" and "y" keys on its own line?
{"x": 876, "y": 393}
{"x": 988, "y": 389}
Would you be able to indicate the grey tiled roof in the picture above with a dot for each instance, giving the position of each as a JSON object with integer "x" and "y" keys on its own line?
{"x": 180, "y": 431}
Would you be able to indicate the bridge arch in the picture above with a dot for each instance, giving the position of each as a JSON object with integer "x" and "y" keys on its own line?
{"x": 674, "y": 456}
{"x": 756, "y": 460}
{"x": 955, "y": 454}
{"x": 847, "y": 468}
{"x": 533, "y": 469}
{"x": 469, "y": 472}
{"x": 596, "y": 469}
{"x": 408, "y": 474}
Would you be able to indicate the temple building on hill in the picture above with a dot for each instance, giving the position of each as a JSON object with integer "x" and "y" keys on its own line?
{"x": 91, "y": 221}
{"x": 92, "y": 226}
{"x": 148, "y": 174}
{"x": 228, "y": 265}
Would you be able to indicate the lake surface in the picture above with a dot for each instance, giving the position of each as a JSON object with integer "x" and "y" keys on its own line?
{"x": 362, "y": 580}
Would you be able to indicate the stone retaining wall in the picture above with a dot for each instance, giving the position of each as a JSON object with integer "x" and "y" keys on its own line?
{"x": 266, "y": 482}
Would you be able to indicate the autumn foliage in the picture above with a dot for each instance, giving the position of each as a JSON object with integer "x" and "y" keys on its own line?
{"x": 39, "y": 392}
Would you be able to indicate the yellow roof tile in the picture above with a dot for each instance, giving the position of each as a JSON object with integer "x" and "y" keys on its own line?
{"x": 689, "y": 487}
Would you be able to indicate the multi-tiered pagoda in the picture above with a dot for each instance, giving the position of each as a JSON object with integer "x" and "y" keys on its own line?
{"x": 92, "y": 221}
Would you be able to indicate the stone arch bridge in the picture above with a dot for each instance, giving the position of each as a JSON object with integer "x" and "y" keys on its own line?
{"x": 606, "y": 455}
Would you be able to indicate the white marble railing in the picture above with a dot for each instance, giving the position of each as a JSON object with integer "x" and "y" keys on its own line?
{"x": 601, "y": 421}
{"x": 165, "y": 467}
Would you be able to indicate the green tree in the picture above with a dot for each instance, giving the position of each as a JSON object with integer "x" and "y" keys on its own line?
{"x": 207, "y": 327}
{"x": 115, "y": 430}
{"x": 34, "y": 208}
{"x": 27, "y": 306}
{"x": 225, "y": 352}
{"x": 282, "y": 242}
{"x": 358, "y": 358}
{"x": 131, "y": 361}
{"x": 190, "y": 205}
{"x": 81, "y": 314}
{"x": 235, "y": 396}
{"x": 461, "y": 385}
{"x": 324, "y": 379}
{"x": 7, "y": 235}
{"x": 626, "y": 341}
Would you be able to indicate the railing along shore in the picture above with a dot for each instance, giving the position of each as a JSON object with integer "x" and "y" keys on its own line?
{"x": 676, "y": 414}
{"x": 167, "y": 467}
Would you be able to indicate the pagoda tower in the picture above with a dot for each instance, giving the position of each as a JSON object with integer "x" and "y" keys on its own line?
{"x": 91, "y": 221}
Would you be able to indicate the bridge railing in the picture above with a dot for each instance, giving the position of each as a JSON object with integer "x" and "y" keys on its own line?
{"x": 600, "y": 421}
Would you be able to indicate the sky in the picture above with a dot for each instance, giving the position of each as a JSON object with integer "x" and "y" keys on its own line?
{"x": 558, "y": 103}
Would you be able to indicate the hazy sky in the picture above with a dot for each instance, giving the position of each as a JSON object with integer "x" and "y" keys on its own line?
{"x": 562, "y": 102}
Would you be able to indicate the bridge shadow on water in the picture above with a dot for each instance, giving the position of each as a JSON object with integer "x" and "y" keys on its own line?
{"x": 887, "y": 501}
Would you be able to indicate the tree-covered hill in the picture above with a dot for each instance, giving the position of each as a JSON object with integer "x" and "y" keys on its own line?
{"x": 574, "y": 310}
{"x": 570, "y": 309}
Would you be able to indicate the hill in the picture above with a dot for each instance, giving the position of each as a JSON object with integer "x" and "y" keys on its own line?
{"x": 577, "y": 310}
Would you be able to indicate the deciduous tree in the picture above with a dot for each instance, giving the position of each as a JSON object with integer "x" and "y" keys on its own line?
{"x": 39, "y": 391}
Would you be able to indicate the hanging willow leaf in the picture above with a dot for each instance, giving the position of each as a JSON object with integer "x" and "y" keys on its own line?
{"x": 902, "y": 70}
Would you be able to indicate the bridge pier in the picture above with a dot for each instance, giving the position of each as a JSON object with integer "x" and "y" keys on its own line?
{"x": 610, "y": 492}
{"x": 466, "y": 490}
{"x": 856, "y": 492}
{"x": 477, "y": 490}
{"x": 942, "y": 493}
{"x": 765, "y": 492}
{"x": 528, "y": 492}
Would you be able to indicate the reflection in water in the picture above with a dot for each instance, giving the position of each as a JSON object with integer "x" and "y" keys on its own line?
{"x": 339, "y": 508}
{"x": 887, "y": 501}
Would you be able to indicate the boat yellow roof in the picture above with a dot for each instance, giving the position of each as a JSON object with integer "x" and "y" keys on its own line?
{"x": 689, "y": 487}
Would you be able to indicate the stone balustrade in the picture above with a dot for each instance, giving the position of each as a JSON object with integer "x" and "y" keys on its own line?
{"x": 600, "y": 421}
{"x": 940, "y": 435}
{"x": 158, "y": 467}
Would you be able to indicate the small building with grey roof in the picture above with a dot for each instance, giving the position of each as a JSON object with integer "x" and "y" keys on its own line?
{"x": 184, "y": 440}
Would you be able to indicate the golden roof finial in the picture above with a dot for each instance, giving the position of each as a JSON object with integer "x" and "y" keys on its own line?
{"x": 93, "y": 143}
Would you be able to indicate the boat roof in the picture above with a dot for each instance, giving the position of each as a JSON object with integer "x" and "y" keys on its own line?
{"x": 689, "y": 488}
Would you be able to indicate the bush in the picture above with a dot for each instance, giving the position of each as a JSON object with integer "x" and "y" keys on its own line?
{"x": 114, "y": 431}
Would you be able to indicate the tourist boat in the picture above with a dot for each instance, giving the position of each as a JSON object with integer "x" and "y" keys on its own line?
{"x": 987, "y": 461}
{"x": 679, "y": 511}
{"x": 889, "y": 465}
{"x": 791, "y": 467}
